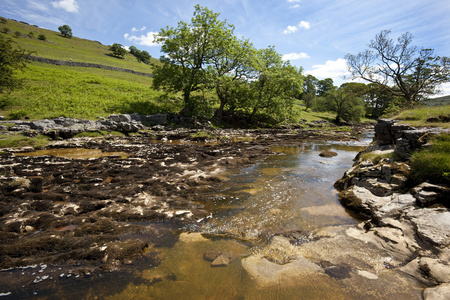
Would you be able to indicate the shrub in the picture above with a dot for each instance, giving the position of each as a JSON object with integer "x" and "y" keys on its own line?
{"x": 17, "y": 114}
{"x": 432, "y": 163}
{"x": 42, "y": 37}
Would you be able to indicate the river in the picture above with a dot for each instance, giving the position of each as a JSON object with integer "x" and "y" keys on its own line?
{"x": 260, "y": 216}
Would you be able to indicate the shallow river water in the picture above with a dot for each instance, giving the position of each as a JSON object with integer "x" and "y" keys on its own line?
{"x": 288, "y": 194}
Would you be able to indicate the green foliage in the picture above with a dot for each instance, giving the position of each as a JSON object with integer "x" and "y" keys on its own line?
{"x": 141, "y": 56}
{"x": 18, "y": 114}
{"x": 205, "y": 55}
{"x": 65, "y": 30}
{"x": 42, "y": 37}
{"x": 345, "y": 101}
{"x": 118, "y": 50}
{"x": 432, "y": 163}
{"x": 10, "y": 60}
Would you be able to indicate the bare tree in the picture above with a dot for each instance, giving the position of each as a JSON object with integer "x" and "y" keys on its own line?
{"x": 402, "y": 69}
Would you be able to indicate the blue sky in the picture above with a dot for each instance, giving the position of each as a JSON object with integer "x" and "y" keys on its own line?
{"x": 314, "y": 34}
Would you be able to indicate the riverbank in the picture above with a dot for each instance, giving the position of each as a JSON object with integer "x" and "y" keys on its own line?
{"x": 410, "y": 219}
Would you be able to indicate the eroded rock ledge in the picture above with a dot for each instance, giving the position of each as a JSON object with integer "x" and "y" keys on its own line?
{"x": 414, "y": 220}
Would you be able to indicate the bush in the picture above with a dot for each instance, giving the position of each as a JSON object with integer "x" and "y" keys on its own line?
{"x": 42, "y": 37}
{"x": 433, "y": 163}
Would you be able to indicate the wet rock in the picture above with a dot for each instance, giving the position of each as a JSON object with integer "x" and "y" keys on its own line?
{"x": 211, "y": 255}
{"x": 222, "y": 260}
{"x": 328, "y": 153}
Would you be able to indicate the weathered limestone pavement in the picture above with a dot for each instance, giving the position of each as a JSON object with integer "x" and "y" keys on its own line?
{"x": 413, "y": 221}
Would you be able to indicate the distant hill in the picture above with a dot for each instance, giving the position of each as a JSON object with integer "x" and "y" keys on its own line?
{"x": 58, "y": 47}
{"x": 444, "y": 100}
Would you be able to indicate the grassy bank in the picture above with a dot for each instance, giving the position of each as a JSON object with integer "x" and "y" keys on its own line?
{"x": 53, "y": 91}
{"x": 427, "y": 116}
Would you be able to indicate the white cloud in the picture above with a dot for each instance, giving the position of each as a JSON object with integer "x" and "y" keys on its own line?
{"x": 295, "y": 56}
{"x": 67, "y": 5}
{"x": 304, "y": 24}
{"x": 292, "y": 29}
{"x": 144, "y": 39}
{"x": 134, "y": 29}
{"x": 335, "y": 69}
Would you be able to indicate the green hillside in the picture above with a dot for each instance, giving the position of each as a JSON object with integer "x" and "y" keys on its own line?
{"x": 58, "y": 47}
{"x": 77, "y": 92}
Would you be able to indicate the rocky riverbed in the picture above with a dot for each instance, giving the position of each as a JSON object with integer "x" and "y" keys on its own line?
{"x": 87, "y": 216}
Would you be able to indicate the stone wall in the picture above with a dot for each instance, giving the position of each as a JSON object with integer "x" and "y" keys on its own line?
{"x": 84, "y": 65}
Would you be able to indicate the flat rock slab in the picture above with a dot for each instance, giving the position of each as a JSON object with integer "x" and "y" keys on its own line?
{"x": 432, "y": 225}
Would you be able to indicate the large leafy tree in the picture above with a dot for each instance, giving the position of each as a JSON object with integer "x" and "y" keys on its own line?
{"x": 65, "y": 30}
{"x": 347, "y": 101}
{"x": 10, "y": 60}
{"x": 189, "y": 49}
{"x": 229, "y": 70}
{"x": 399, "y": 67}
{"x": 274, "y": 85}
{"x": 308, "y": 96}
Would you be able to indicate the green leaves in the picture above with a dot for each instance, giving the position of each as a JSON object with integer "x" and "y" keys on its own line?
{"x": 65, "y": 30}
{"x": 10, "y": 60}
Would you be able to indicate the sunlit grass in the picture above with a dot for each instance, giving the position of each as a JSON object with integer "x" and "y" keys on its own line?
{"x": 53, "y": 91}
{"x": 19, "y": 140}
{"x": 418, "y": 117}
{"x": 432, "y": 163}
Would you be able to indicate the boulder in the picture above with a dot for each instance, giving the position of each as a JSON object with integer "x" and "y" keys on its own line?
{"x": 328, "y": 153}
{"x": 120, "y": 118}
{"x": 440, "y": 292}
{"x": 158, "y": 119}
{"x": 428, "y": 194}
{"x": 432, "y": 225}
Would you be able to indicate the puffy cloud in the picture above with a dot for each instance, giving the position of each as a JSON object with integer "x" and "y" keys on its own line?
{"x": 304, "y": 24}
{"x": 292, "y": 29}
{"x": 295, "y": 56}
{"x": 335, "y": 69}
{"x": 67, "y": 5}
{"x": 144, "y": 39}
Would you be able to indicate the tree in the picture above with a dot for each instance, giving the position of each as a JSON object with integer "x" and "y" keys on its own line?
{"x": 273, "y": 86}
{"x": 10, "y": 60}
{"x": 323, "y": 86}
{"x": 346, "y": 102}
{"x": 309, "y": 91}
{"x": 142, "y": 56}
{"x": 189, "y": 49}
{"x": 118, "y": 50}
{"x": 65, "y": 30}
{"x": 402, "y": 69}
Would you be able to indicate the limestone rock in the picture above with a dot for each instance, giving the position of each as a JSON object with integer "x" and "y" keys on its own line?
{"x": 435, "y": 268}
{"x": 440, "y": 292}
{"x": 432, "y": 225}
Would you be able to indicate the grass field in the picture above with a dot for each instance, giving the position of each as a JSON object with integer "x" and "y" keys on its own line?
{"x": 53, "y": 91}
